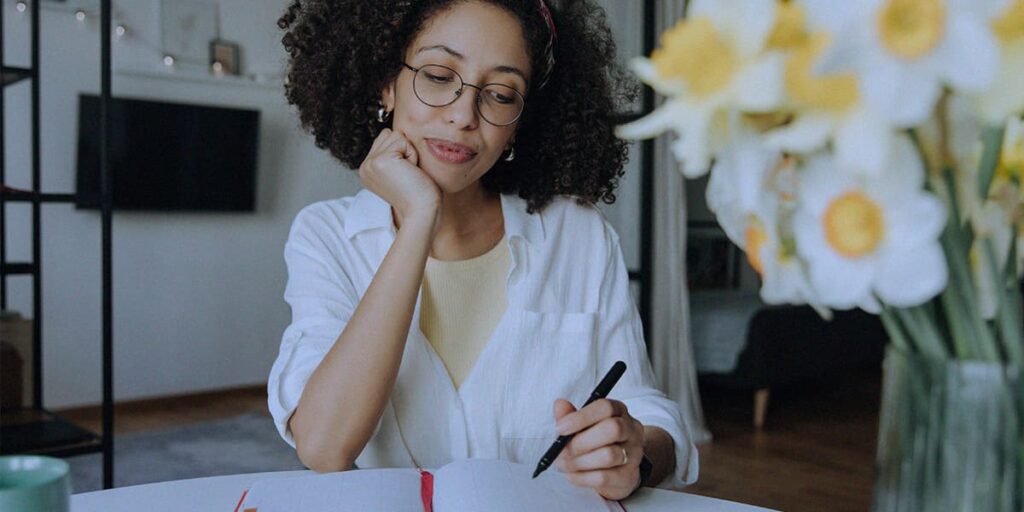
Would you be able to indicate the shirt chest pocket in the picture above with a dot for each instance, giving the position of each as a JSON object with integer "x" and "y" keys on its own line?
{"x": 553, "y": 357}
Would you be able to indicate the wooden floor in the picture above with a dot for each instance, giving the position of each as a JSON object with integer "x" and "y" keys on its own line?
{"x": 173, "y": 411}
{"x": 815, "y": 453}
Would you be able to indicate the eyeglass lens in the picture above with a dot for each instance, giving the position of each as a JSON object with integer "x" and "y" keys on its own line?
{"x": 439, "y": 86}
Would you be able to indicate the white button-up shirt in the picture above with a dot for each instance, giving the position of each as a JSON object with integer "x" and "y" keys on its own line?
{"x": 570, "y": 316}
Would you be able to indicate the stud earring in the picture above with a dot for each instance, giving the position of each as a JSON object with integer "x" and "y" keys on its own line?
{"x": 511, "y": 154}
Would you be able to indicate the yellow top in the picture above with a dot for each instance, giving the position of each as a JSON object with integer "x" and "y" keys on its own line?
{"x": 462, "y": 303}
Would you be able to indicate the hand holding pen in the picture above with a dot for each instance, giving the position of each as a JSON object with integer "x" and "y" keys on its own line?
{"x": 600, "y": 445}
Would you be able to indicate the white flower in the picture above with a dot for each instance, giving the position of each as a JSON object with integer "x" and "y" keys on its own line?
{"x": 709, "y": 65}
{"x": 830, "y": 107}
{"x": 1006, "y": 96}
{"x": 870, "y": 239}
{"x": 904, "y": 51}
{"x": 751, "y": 192}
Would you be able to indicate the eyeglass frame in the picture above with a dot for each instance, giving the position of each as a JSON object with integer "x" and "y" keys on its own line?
{"x": 458, "y": 93}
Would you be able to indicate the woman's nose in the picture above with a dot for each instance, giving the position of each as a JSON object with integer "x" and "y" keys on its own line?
{"x": 462, "y": 111}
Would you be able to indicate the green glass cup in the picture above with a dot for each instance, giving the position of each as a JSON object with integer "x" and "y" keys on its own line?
{"x": 32, "y": 483}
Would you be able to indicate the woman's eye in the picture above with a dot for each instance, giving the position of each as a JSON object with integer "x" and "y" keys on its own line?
{"x": 438, "y": 78}
{"x": 501, "y": 98}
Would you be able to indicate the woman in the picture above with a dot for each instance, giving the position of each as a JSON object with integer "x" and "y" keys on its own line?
{"x": 442, "y": 312}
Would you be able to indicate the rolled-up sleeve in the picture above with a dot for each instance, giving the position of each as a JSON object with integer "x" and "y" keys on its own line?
{"x": 322, "y": 300}
{"x": 621, "y": 337}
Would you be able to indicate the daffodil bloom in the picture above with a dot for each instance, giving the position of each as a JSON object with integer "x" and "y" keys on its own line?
{"x": 1006, "y": 96}
{"x": 904, "y": 52}
{"x": 709, "y": 66}
{"x": 866, "y": 240}
{"x": 751, "y": 191}
{"x": 829, "y": 107}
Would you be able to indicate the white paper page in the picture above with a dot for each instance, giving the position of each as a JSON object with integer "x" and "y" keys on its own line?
{"x": 503, "y": 486}
{"x": 355, "y": 491}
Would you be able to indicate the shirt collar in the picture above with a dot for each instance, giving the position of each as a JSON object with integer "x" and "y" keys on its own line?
{"x": 372, "y": 212}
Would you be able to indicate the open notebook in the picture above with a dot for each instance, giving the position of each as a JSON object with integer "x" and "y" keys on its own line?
{"x": 466, "y": 485}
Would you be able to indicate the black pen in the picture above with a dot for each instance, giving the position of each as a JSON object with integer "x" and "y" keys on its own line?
{"x": 601, "y": 391}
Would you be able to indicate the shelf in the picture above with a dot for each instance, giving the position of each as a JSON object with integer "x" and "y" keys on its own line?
{"x": 40, "y": 432}
{"x": 254, "y": 81}
{"x": 17, "y": 268}
{"x": 12, "y": 75}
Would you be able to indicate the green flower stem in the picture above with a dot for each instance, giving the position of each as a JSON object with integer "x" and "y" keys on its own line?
{"x": 922, "y": 329}
{"x": 1007, "y": 320}
{"x": 1013, "y": 293}
{"x": 892, "y": 326}
{"x": 955, "y": 215}
{"x": 992, "y": 138}
{"x": 959, "y": 327}
{"x": 961, "y": 285}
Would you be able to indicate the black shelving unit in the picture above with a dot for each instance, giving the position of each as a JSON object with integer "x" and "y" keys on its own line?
{"x": 34, "y": 429}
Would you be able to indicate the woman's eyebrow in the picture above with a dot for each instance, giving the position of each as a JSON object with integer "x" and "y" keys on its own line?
{"x": 457, "y": 55}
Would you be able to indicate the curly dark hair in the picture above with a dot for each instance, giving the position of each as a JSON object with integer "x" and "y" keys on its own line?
{"x": 565, "y": 138}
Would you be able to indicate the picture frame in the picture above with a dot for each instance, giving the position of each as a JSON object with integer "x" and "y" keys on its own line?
{"x": 224, "y": 57}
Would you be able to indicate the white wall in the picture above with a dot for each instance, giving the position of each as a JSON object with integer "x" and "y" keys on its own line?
{"x": 197, "y": 296}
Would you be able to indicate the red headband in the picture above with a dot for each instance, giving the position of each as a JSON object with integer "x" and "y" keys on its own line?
{"x": 549, "y": 59}
{"x": 546, "y": 13}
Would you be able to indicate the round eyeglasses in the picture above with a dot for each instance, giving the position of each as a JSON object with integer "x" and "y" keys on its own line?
{"x": 439, "y": 86}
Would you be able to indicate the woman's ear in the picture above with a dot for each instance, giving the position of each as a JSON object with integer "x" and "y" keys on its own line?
{"x": 387, "y": 96}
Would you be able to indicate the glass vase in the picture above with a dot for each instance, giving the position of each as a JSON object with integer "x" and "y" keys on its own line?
{"x": 950, "y": 436}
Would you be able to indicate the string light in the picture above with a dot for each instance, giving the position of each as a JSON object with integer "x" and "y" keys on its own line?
{"x": 216, "y": 68}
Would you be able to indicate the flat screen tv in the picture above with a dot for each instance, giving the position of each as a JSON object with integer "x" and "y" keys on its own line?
{"x": 169, "y": 156}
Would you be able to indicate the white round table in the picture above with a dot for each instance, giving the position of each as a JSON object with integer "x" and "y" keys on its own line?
{"x": 222, "y": 494}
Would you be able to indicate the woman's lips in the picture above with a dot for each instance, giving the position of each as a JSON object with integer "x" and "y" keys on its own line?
{"x": 450, "y": 152}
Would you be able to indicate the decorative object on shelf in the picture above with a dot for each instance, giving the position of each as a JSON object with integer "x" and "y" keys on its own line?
{"x": 187, "y": 28}
{"x": 870, "y": 154}
{"x": 224, "y": 57}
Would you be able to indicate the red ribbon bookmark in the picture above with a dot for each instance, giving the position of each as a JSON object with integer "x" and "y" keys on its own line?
{"x": 427, "y": 490}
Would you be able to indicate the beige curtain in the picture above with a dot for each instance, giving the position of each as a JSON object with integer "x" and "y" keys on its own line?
{"x": 671, "y": 349}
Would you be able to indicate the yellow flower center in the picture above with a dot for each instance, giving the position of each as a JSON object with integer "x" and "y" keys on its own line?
{"x": 755, "y": 237}
{"x": 829, "y": 92}
{"x": 694, "y": 52}
{"x": 910, "y": 28}
{"x": 854, "y": 225}
{"x": 789, "y": 30}
{"x": 1011, "y": 161}
{"x": 1010, "y": 25}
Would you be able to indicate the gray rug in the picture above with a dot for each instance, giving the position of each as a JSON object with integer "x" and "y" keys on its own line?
{"x": 244, "y": 444}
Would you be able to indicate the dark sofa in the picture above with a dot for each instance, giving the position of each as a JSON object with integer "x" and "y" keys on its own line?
{"x": 791, "y": 344}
